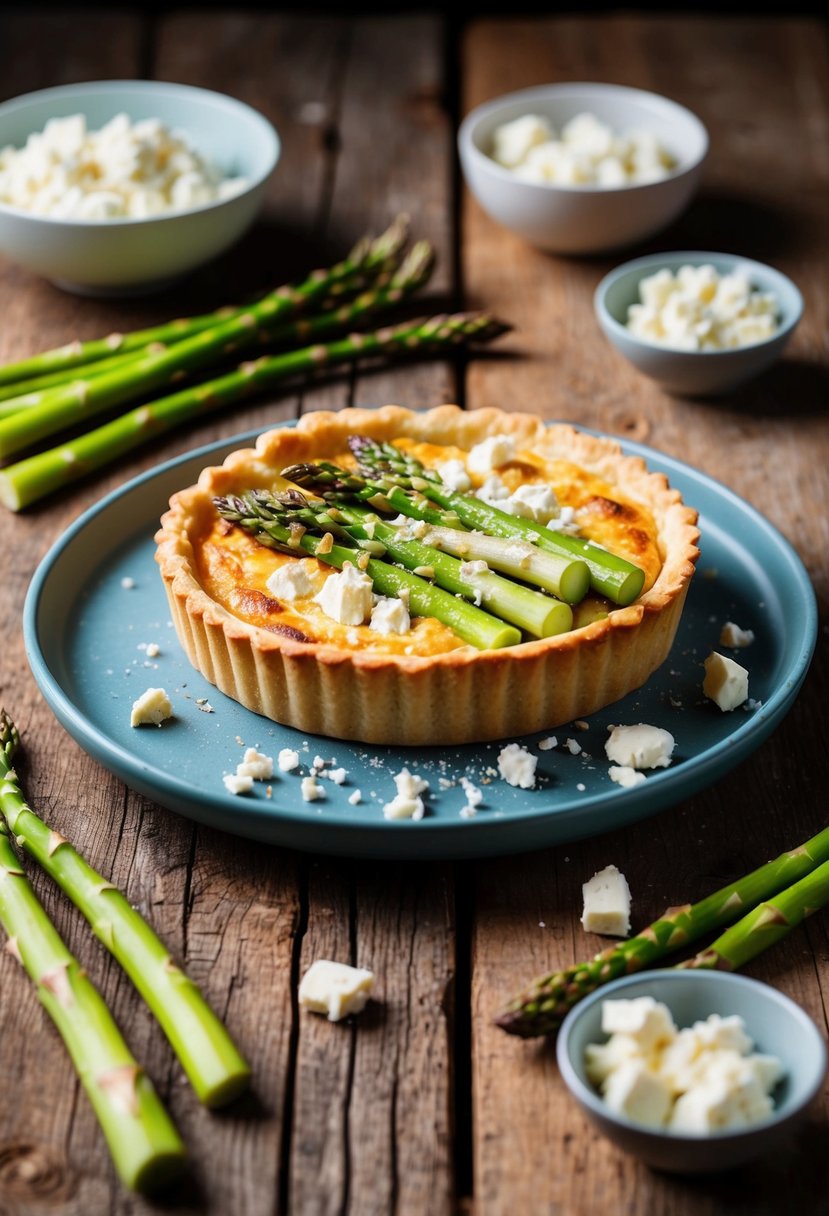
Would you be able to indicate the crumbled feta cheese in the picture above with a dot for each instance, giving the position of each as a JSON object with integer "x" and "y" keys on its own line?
{"x": 534, "y": 501}
{"x": 713, "y": 1078}
{"x": 288, "y": 760}
{"x": 454, "y": 476}
{"x": 238, "y": 783}
{"x": 733, "y": 636}
{"x": 311, "y": 789}
{"x": 470, "y": 569}
{"x": 151, "y": 709}
{"x": 517, "y": 766}
{"x": 124, "y": 169}
{"x": 606, "y": 903}
{"x": 587, "y": 153}
{"x": 153, "y": 650}
{"x": 390, "y": 615}
{"x": 355, "y": 798}
{"x": 546, "y": 745}
{"x": 347, "y": 597}
{"x": 640, "y": 746}
{"x": 625, "y": 776}
{"x": 127, "y": 583}
{"x": 404, "y": 806}
{"x": 699, "y": 309}
{"x": 726, "y": 682}
{"x": 335, "y": 989}
{"x": 493, "y": 490}
{"x": 256, "y": 765}
{"x": 491, "y": 453}
{"x": 573, "y": 746}
{"x": 294, "y": 580}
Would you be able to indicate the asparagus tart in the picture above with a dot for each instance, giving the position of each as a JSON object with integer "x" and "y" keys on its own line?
{"x": 432, "y": 577}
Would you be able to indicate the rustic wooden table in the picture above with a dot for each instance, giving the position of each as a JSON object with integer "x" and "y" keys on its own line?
{"x": 422, "y": 1105}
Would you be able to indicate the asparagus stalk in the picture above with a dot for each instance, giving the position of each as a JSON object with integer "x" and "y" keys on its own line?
{"x": 373, "y": 256}
{"x": 54, "y": 409}
{"x": 254, "y": 511}
{"x": 543, "y": 1005}
{"x": 208, "y": 1055}
{"x": 145, "y": 1146}
{"x": 610, "y": 575}
{"x": 565, "y": 577}
{"x": 32, "y": 478}
{"x": 535, "y": 613}
{"x": 766, "y": 924}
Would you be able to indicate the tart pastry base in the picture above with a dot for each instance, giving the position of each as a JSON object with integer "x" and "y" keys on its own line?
{"x": 461, "y": 696}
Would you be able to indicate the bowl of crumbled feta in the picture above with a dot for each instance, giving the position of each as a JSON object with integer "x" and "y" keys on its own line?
{"x": 692, "y": 1071}
{"x": 582, "y": 168}
{"x": 126, "y": 185}
{"x": 699, "y": 323}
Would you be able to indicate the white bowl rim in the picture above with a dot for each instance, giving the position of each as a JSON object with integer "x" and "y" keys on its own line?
{"x": 485, "y": 109}
{"x": 699, "y": 257}
{"x": 594, "y": 1102}
{"x": 150, "y": 86}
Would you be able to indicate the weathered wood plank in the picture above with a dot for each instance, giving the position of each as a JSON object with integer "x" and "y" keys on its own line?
{"x": 533, "y": 1150}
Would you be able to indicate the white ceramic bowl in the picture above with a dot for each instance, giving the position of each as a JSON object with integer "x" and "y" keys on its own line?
{"x": 777, "y": 1025}
{"x": 694, "y": 373}
{"x": 584, "y": 219}
{"x": 118, "y": 256}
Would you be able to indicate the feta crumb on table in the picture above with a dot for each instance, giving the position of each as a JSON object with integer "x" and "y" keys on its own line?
{"x": 335, "y": 989}
{"x": 607, "y": 903}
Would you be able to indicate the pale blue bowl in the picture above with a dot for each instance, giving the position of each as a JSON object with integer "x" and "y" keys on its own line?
{"x": 694, "y": 373}
{"x": 777, "y": 1025}
{"x": 126, "y": 256}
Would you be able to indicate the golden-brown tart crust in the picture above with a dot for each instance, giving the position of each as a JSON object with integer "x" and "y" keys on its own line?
{"x": 454, "y": 696}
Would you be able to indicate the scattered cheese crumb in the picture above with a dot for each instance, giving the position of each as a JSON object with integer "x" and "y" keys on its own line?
{"x": 238, "y": 783}
{"x": 311, "y": 789}
{"x": 546, "y": 745}
{"x": 153, "y": 650}
{"x": 572, "y": 746}
{"x": 725, "y": 683}
{"x": 151, "y": 709}
{"x": 347, "y": 597}
{"x": 607, "y": 903}
{"x": 640, "y": 746}
{"x": 355, "y": 798}
{"x": 288, "y": 760}
{"x": 294, "y": 580}
{"x": 127, "y": 583}
{"x": 736, "y": 638}
{"x": 255, "y": 765}
{"x": 335, "y": 989}
{"x": 517, "y": 766}
{"x": 624, "y": 775}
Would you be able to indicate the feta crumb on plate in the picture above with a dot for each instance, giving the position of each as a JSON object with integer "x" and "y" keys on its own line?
{"x": 639, "y": 746}
{"x": 734, "y": 637}
{"x": 151, "y": 709}
{"x": 726, "y": 682}
{"x": 517, "y": 766}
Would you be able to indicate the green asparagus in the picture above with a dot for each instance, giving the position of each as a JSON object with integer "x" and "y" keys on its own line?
{"x": 254, "y": 512}
{"x": 54, "y": 409}
{"x": 565, "y": 577}
{"x": 32, "y": 478}
{"x": 208, "y": 1055}
{"x": 612, "y": 576}
{"x": 145, "y": 1146}
{"x": 541, "y": 1007}
{"x": 368, "y": 257}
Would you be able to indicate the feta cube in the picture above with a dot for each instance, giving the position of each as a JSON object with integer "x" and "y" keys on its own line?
{"x": 491, "y": 453}
{"x": 607, "y": 903}
{"x": 725, "y": 683}
{"x": 640, "y": 746}
{"x": 645, "y": 1021}
{"x": 390, "y": 615}
{"x": 335, "y": 989}
{"x": 295, "y": 579}
{"x": 347, "y": 597}
{"x": 637, "y": 1093}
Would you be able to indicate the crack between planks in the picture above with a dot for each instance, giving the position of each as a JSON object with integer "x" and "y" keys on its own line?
{"x": 332, "y": 141}
{"x": 188, "y": 897}
{"x": 461, "y": 1010}
{"x": 352, "y": 1049}
{"x": 452, "y": 31}
{"x": 283, "y": 1189}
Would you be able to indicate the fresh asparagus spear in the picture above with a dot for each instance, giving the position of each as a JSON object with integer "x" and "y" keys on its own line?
{"x": 145, "y": 1146}
{"x": 541, "y": 1007}
{"x": 368, "y": 256}
{"x": 254, "y": 512}
{"x": 612, "y": 576}
{"x": 565, "y": 577}
{"x": 207, "y": 1053}
{"x": 535, "y": 613}
{"x": 32, "y": 478}
{"x": 54, "y": 409}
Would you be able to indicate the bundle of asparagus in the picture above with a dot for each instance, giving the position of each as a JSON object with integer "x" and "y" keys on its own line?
{"x": 71, "y": 385}
{"x": 145, "y": 1146}
{"x": 773, "y": 900}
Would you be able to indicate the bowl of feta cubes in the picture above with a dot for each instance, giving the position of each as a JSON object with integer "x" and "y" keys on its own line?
{"x": 699, "y": 323}
{"x": 123, "y": 186}
{"x": 692, "y": 1071}
{"x": 582, "y": 168}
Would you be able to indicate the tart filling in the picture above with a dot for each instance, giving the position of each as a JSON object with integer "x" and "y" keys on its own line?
{"x": 314, "y": 646}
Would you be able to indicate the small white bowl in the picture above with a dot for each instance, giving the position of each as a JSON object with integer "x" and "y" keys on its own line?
{"x": 121, "y": 255}
{"x": 694, "y": 373}
{"x": 584, "y": 219}
{"x": 778, "y": 1026}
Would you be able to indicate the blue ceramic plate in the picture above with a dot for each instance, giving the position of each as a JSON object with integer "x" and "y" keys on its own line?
{"x": 87, "y": 635}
